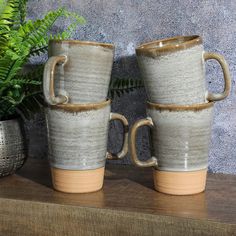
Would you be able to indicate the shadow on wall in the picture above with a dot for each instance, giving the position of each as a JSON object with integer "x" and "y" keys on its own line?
{"x": 126, "y": 66}
{"x": 132, "y": 105}
{"x": 36, "y": 134}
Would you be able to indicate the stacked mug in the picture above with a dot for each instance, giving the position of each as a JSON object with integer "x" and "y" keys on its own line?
{"x": 179, "y": 112}
{"x": 75, "y": 84}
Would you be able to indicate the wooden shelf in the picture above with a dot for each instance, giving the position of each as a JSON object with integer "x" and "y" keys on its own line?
{"x": 127, "y": 205}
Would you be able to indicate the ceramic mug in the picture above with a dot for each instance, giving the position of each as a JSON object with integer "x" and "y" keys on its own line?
{"x": 174, "y": 71}
{"x": 77, "y": 72}
{"x": 77, "y": 145}
{"x": 180, "y": 142}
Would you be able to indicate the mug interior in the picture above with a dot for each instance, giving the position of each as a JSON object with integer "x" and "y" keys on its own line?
{"x": 84, "y": 43}
{"x": 169, "y": 44}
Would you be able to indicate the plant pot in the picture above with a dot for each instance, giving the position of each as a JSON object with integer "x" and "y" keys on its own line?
{"x": 12, "y": 147}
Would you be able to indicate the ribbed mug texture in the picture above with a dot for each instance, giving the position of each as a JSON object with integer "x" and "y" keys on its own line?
{"x": 173, "y": 71}
{"x": 83, "y": 76}
{"x": 78, "y": 140}
{"x": 180, "y": 138}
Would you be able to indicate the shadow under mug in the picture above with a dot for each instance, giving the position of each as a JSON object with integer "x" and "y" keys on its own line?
{"x": 77, "y": 144}
{"x": 173, "y": 70}
{"x": 180, "y": 137}
{"x": 77, "y": 72}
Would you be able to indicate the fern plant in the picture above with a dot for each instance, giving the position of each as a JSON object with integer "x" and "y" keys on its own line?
{"x": 20, "y": 92}
{"x": 120, "y": 86}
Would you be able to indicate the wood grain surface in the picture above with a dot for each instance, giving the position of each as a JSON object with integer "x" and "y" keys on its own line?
{"x": 127, "y": 205}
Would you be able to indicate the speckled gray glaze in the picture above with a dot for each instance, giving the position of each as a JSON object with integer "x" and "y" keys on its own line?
{"x": 177, "y": 76}
{"x": 77, "y": 141}
{"x": 180, "y": 139}
{"x": 84, "y": 75}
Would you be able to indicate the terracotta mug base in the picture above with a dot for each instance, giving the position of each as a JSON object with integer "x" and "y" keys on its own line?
{"x": 180, "y": 183}
{"x": 77, "y": 181}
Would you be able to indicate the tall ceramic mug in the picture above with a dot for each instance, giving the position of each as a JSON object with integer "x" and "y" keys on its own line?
{"x": 180, "y": 142}
{"x": 77, "y": 72}
{"x": 77, "y": 139}
{"x": 174, "y": 71}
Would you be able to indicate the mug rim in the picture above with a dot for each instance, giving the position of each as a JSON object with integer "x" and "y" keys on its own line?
{"x": 84, "y": 43}
{"x": 174, "y": 107}
{"x": 71, "y": 107}
{"x": 167, "y": 45}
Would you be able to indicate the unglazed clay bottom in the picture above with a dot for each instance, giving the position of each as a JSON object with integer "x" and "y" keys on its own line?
{"x": 180, "y": 183}
{"x": 77, "y": 181}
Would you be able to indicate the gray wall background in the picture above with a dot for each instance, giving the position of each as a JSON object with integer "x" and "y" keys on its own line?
{"x": 131, "y": 22}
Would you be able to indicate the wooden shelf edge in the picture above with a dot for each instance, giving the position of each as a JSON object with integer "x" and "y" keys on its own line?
{"x": 37, "y": 218}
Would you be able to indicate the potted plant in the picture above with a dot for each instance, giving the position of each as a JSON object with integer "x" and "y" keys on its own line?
{"x": 20, "y": 91}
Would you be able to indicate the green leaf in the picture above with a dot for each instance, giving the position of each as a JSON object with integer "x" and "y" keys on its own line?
{"x": 19, "y": 40}
{"x": 120, "y": 86}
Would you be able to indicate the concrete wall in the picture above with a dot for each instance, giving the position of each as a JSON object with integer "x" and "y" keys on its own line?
{"x": 127, "y": 24}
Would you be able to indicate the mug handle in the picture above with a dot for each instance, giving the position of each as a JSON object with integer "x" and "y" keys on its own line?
{"x": 48, "y": 80}
{"x": 226, "y": 73}
{"x": 153, "y": 160}
{"x": 124, "y": 148}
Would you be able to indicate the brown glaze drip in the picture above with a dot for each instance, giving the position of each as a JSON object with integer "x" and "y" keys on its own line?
{"x": 84, "y": 43}
{"x": 80, "y": 107}
{"x": 164, "y": 46}
{"x": 173, "y": 107}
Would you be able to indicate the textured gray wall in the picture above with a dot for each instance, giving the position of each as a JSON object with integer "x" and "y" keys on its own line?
{"x": 127, "y": 24}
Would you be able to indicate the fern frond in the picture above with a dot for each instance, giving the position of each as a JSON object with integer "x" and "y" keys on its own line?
{"x": 43, "y": 46}
{"x": 14, "y": 12}
{"x": 125, "y": 83}
{"x": 9, "y": 14}
{"x": 31, "y": 104}
{"x": 19, "y": 40}
{"x": 33, "y": 73}
{"x": 9, "y": 68}
{"x": 2, "y": 6}
{"x": 120, "y": 86}
{"x": 33, "y": 100}
{"x": 11, "y": 17}
{"x": 22, "y": 11}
